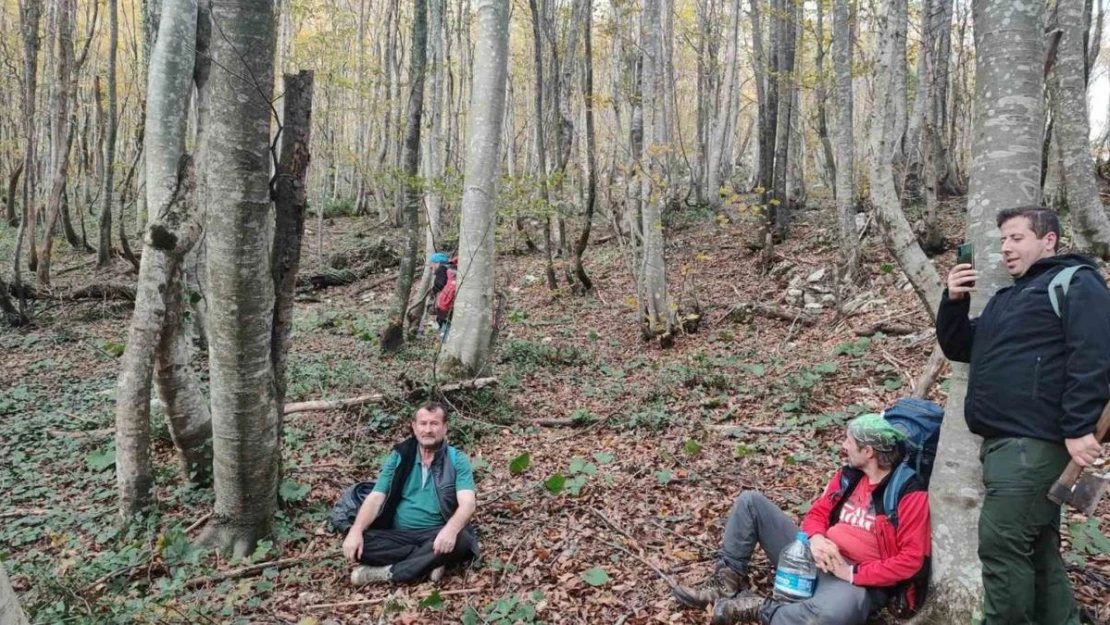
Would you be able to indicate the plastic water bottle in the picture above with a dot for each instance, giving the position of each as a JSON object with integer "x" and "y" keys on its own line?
{"x": 796, "y": 578}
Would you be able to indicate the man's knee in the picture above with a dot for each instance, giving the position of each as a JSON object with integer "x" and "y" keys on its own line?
{"x": 750, "y": 500}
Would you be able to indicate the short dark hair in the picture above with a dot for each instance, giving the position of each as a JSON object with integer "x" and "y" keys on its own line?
{"x": 432, "y": 407}
{"x": 1041, "y": 220}
{"x": 889, "y": 458}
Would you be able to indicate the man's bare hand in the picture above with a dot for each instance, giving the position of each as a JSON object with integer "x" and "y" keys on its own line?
{"x": 961, "y": 280}
{"x": 352, "y": 545}
{"x": 445, "y": 541}
{"x": 825, "y": 553}
{"x": 1084, "y": 450}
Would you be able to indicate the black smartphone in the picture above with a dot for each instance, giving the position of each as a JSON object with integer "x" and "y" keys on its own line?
{"x": 965, "y": 255}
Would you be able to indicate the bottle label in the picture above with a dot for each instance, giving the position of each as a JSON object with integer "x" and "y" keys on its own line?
{"x": 794, "y": 584}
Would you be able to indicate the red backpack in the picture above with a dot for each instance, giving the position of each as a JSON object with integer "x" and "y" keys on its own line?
{"x": 445, "y": 301}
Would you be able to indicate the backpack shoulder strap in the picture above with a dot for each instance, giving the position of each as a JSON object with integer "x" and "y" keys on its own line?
{"x": 1062, "y": 281}
{"x": 899, "y": 479}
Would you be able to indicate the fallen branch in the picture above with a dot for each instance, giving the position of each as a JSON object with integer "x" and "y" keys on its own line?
{"x": 333, "y": 404}
{"x": 201, "y": 521}
{"x": 892, "y": 329}
{"x": 736, "y": 431}
{"x": 25, "y": 512}
{"x": 255, "y": 569}
{"x": 348, "y": 604}
{"x": 80, "y": 433}
{"x": 742, "y": 313}
{"x": 117, "y": 292}
{"x": 661, "y": 574}
{"x": 929, "y": 376}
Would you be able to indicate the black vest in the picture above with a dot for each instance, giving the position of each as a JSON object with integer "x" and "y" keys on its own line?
{"x": 443, "y": 477}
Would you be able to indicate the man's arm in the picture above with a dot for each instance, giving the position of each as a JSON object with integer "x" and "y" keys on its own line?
{"x": 955, "y": 332}
{"x": 816, "y": 521}
{"x": 370, "y": 508}
{"x": 465, "y": 492}
{"x": 1087, "y": 376}
{"x": 445, "y": 540}
{"x": 914, "y": 543}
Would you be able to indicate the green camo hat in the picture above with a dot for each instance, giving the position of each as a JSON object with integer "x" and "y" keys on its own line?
{"x": 873, "y": 430}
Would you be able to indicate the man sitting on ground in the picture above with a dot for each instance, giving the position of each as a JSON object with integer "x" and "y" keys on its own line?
{"x": 861, "y": 555}
{"x": 416, "y": 520}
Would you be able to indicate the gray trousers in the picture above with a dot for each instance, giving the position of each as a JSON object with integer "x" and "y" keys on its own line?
{"x": 755, "y": 520}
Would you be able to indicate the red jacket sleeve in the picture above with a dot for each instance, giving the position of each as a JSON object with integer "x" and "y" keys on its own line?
{"x": 914, "y": 543}
{"x": 816, "y": 520}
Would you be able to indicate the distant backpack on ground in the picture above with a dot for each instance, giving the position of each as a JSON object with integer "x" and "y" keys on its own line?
{"x": 445, "y": 301}
{"x": 343, "y": 515}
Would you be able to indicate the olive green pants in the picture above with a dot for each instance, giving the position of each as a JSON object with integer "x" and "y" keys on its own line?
{"x": 1024, "y": 579}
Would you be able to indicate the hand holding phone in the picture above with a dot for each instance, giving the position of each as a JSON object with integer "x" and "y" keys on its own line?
{"x": 961, "y": 280}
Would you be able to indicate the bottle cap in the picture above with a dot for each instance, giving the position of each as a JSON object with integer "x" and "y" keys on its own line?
{"x": 803, "y": 538}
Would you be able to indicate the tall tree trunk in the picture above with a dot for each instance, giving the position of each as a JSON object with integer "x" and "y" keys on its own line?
{"x": 657, "y": 318}
{"x": 13, "y": 188}
{"x": 466, "y": 353}
{"x": 845, "y": 142}
{"x": 290, "y": 201}
{"x": 584, "y": 284}
{"x": 30, "y": 14}
{"x": 540, "y": 149}
{"x": 432, "y": 161}
{"x": 179, "y": 60}
{"x": 780, "y": 209}
{"x": 721, "y": 120}
{"x": 245, "y": 414}
{"x": 108, "y": 189}
{"x": 1068, "y": 99}
{"x": 884, "y": 197}
{"x": 393, "y": 336}
{"x": 10, "y": 612}
{"x": 821, "y": 97}
{"x": 1005, "y": 172}
{"x": 764, "y": 96}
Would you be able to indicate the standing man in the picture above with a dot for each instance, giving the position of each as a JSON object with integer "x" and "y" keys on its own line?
{"x": 1038, "y": 382}
{"x": 416, "y": 520}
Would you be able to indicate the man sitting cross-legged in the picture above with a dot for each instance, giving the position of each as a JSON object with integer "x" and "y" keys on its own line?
{"x": 415, "y": 522}
{"x": 863, "y": 556}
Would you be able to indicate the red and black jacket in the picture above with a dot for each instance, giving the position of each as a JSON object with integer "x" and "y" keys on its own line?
{"x": 903, "y": 533}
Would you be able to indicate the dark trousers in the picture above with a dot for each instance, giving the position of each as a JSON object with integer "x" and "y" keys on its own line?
{"x": 1024, "y": 579}
{"x": 755, "y": 520}
{"x": 410, "y": 552}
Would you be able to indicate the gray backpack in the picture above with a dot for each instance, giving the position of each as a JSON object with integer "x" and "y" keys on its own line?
{"x": 1061, "y": 282}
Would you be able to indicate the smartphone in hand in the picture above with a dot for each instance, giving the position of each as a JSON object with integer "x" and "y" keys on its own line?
{"x": 965, "y": 255}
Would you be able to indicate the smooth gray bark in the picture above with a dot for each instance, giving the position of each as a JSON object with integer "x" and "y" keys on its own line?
{"x": 107, "y": 192}
{"x": 393, "y": 335}
{"x": 10, "y": 612}
{"x": 1005, "y": 172}
{"x": 900, "y": 237}
{"x": 845, "y": 142}
{"x": 1068, "y": 99}
{"x": 239, "y": 227}
{"x": 539, "y": 145}
{"x": 657, "y": 318}
{"x": 466, "y": 353}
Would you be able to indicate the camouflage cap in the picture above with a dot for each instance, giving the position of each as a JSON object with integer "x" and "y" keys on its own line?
{"x": 872, "y": 430}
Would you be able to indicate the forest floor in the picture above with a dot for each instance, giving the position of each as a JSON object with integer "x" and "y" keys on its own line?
{"x": 648, "y": 480}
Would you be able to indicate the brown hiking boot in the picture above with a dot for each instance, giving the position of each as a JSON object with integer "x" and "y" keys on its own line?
{"x": 724, "y": 583}
{"x": 743, "y": 609}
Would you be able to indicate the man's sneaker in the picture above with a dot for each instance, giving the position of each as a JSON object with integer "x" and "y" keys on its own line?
{"x": 436, "y": 575}
{"x": 742, "y": 609}
{"x": 724, "y": 583}
{"x": 363, "y": 575}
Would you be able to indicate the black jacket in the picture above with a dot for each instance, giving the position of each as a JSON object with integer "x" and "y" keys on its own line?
{"x": 1034, "y": 374}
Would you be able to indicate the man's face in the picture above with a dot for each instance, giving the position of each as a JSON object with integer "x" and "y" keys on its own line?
{"x": 857, "y": 456}
{"x": 1021, "y": 247}
{"x": 429, "y": 428}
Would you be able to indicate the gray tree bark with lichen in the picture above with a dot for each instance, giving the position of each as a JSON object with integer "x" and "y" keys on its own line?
{"x": 1005, "y": 172}
{"x": 239, "y": 229}
{"x": 10, "y": 612}
{"x": 466, "y": 353}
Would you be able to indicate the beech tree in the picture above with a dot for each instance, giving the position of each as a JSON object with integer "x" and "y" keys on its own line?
{"x": 10, "y": 612}
{"x": 466, "y": 353}
{"x": 245, "y": 410}
{"x": 1005, "y": 172}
